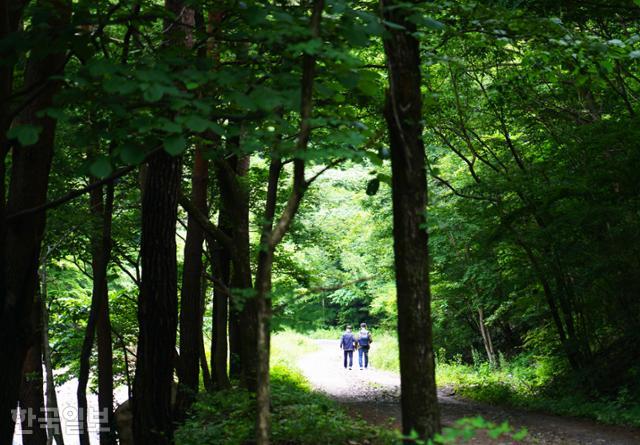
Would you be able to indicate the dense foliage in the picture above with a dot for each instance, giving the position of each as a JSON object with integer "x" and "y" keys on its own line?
{"x": 530, "y": 123}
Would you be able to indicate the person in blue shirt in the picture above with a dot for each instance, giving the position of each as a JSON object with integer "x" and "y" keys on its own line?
{"x": 348, "y": 344}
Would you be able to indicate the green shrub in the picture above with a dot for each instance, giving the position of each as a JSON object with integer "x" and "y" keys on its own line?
{"x": 299, "y": 417}
{"x": 539, "y": 383}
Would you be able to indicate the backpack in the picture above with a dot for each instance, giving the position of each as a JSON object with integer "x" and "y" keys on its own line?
{"x": 364, "y": 339}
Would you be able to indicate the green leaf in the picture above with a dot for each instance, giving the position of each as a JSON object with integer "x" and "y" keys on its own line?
{"x": 101, "y": 167}
{"x": 520, "y": 434}
{"x": 196, "y": 123}
{"x": 153, "y": 93}
{"x": 119, "y": 84}
{"x": 132, "y": 155}
{"x": 384, "y": 178}
{"x": 175, "y": 144}
{"x": 373, "y": 186}
{"x": 25, "y": 134}
{"x": 374, "y": 158}
{"x": 432, "y": 23}
{"x": 393, "y": 25}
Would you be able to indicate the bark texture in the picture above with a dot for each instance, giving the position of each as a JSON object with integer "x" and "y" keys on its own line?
{"x": 31, "y": 395}
{"x": 158, "y": 299}
{"x": 402, "y": 112}
{"x": 157, "y": 304}
{"x": 22, "y": 237}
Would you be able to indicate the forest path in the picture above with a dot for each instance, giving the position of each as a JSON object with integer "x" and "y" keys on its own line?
{"x": 374, "y": 395}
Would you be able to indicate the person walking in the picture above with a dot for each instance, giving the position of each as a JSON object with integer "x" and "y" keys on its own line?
{"x": 364, "y": 343}
{"x": 348, "y": 344}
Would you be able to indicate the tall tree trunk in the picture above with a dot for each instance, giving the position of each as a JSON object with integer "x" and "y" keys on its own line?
{"x": 158, "y": 299}
{"x": 30, "y": 168}
{"x": 31, "y": 395}
{"x": 221, "y": 270}
{"x": 235, "y": 202}
{"x": 403, "y": 113}
{"x": 157, "y": 304}
{"x": 273, "y": 233}
{"x": 101, "y": 213}
{"x": 190, "y": 302}
{"x": 103, "y": 321}
{"x": 204, "y": 366}
{"x": 54, "y": 426}
{"x": 263, "y": 289}
{"x": 224, "y": 313}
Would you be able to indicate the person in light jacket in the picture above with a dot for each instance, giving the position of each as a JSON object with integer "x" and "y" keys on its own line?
{"x": 363, "y": 341}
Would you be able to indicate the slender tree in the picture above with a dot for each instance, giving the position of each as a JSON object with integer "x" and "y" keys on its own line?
{"x": 403, "y": 113}
{"x": 54, "y": 426}
{"x": 190, "y": 302}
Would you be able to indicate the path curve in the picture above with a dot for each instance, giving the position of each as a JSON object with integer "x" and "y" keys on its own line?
{"x": 374, "y": 395}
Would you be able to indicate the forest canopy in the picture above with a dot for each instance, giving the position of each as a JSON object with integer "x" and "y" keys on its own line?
{"x": 180, "y": 179}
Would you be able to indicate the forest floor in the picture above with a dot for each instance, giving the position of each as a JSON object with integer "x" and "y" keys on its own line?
{"x": 374, "y": 396}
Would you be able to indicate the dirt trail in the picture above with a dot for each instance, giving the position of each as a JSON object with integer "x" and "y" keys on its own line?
{"x": 374, "y": 395}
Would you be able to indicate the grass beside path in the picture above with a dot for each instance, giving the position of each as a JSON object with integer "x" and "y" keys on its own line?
{"x": 299, "y": 416}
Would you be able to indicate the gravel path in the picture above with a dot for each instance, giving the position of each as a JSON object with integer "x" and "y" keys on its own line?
{"x": 374, "y": 395}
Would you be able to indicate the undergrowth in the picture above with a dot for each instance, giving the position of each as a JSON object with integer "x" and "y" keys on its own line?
{"x": 299, "y": 417}
{"x": 526, "y": 381}
{"x": 540, "y": 384}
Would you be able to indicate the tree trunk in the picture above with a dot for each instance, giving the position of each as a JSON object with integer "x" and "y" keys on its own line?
{"x": 486, "y": 338}
{"x": 221, "y": 270}
{"x": 235, "y": 203}
{"x": 30, "y": 168}
{"x": 574, "y": 360}
{"x": 103, "y": 321}
{"x": 204, "y": 366}
{"x": 31, "y": 396}
{"x": 158, "y": 299}
{"x": 272, "y": 235}
{"x": 101, "y": 213}
{"x": 263, "y": 289}
{"x": 54, "y": 426}
{"x": 190, "y": 301}
{"x": 157, "y": 304}
{"x": 403, "y": 109}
